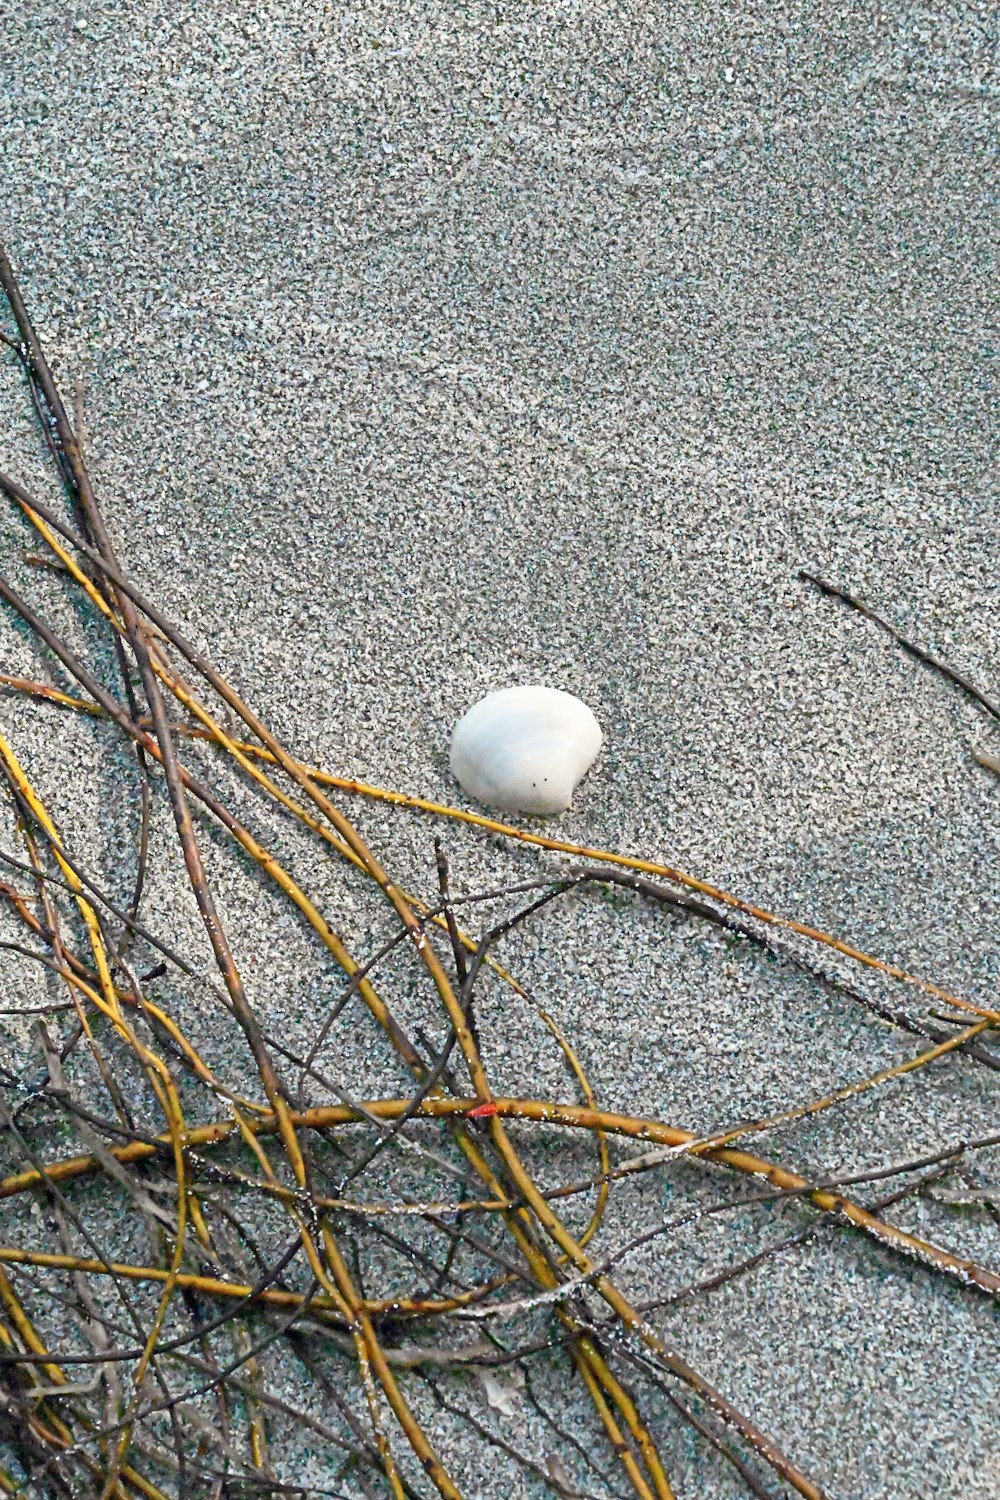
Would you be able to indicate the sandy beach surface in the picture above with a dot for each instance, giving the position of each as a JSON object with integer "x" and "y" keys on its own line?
{"x": 429, "y": 349}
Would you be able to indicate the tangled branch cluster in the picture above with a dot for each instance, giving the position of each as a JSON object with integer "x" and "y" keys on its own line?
{"x": 293, "y": 1239}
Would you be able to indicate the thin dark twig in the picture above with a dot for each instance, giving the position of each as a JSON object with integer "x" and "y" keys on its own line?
{"x": 918, "y": 652}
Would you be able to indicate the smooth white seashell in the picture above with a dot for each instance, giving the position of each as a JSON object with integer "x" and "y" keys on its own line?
{"x": 525, "y": 749}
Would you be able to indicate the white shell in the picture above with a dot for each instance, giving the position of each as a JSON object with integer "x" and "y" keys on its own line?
{"x": 525, "y": 749}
